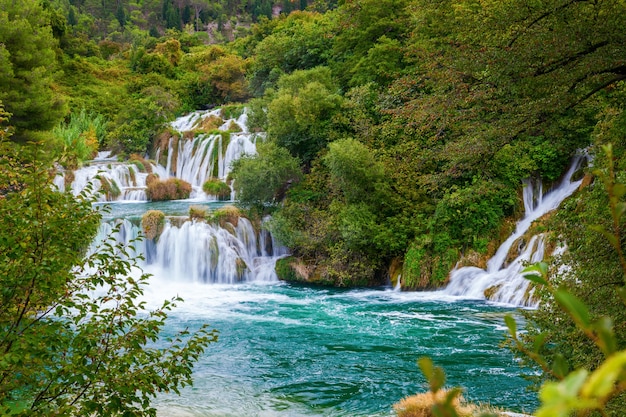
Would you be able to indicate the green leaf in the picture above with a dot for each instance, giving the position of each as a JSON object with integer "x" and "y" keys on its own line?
{"x": 560, "y": 367}
{"x": 559, "y": 399}
{"x": 576, "y": 308}
{"x": 537, "y": 279}
{"x": 601, "y": 383}
{"x": 511, "y": 324}
{"x": 539, "y": 341}
{"x": 540, "y": 267}
{"x": 434, "y": 374}
{"x": 603, "y": 327}
{"x": 619, "y": 190}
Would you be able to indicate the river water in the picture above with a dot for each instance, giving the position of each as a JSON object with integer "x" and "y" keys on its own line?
{"x": 288, "y": 350}
{"x": 293, "y": 350}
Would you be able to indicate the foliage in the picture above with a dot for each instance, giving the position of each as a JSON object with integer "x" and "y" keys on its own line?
{"x": 261, "y": 180}
{"x": 152, "y": 223}
{"x": 169, "y": 189}
{"x": 298, "y": 41}
{"x": 301, "y": 111}
{"x": 586, "y": 371}
{"x": 75, "y": 339}
{"x": 368, "y": 40}
{"x": 217, "y": 188}
{"x": 354, "y": 170}
{"x": 81, "y": 136}
{"x": 28, "y": 68}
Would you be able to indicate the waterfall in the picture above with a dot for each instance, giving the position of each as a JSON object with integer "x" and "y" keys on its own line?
{"x": 195, "y": 161}
{"x": 200, "y": 252}
{"x": 505, "y": 283}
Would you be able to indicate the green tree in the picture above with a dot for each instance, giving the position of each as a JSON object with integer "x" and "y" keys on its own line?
{"x": 262, "y": 180}
{"x": 28, "y": 68}
{"x": 74, "y": 337}
{"x": 300, "y": 113}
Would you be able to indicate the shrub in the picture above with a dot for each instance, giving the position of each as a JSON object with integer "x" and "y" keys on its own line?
{"x": 152, "y": 223}
{"x": 198, "y": 213}
{"x": 151, "y": 178}
{"x": 170, "y": 189}
{"x": 421, "y": 405}
{"x": 217, "y": 188}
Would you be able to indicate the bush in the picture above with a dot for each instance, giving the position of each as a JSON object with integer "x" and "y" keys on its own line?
{"x": 151, "y": 178}
{"x": 198, "y": 212}
{"x": 421, "y": 405}
{"x": 152, "y": 223}
{"x": 170, "y": 189}
{"x": 217, "y": 188}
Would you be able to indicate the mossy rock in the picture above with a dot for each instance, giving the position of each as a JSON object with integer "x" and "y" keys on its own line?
{"x": 109, "y": 188}
{"x": 395, "y": 272}
{"x": 152, "y": 223}
{"x": 292, "y": 269}
{"x": 491, "y": 291}
{"x": 227, "y": 214}
{"x": 241, "y": 267}
{"x": 198, "y": 212}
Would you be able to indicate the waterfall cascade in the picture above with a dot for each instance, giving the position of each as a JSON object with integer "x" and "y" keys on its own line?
{"x": 200, "y": 252}
{"x": 502, "y": 282}
{"x": 194, "y": 160}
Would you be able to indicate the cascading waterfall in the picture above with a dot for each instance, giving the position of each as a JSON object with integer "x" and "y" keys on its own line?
{"x": 200, "y": 252}
{"x": 196, "y": 160}
{"x": 502, "y": 282}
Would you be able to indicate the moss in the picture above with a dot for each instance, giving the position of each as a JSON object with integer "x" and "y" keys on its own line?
{"x": 152, "y": 223}
{"x": 227, "y": 214}
{"x": 293, "y": 269}
{"x": 424, "y": 269}
{"x": 151, "y": 178}
{"x": 234, "y": 127}
{"x": 241, "y": 266}
{"x": 207, "y": 124}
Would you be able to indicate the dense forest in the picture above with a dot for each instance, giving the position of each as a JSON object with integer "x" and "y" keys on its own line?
{"x": 398, "y": 132}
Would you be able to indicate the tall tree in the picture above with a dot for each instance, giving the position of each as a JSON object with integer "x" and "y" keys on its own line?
{"x": 28, "y": 67}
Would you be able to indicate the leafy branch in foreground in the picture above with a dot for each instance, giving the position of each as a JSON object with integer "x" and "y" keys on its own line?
{"x": 75, "y": 336}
